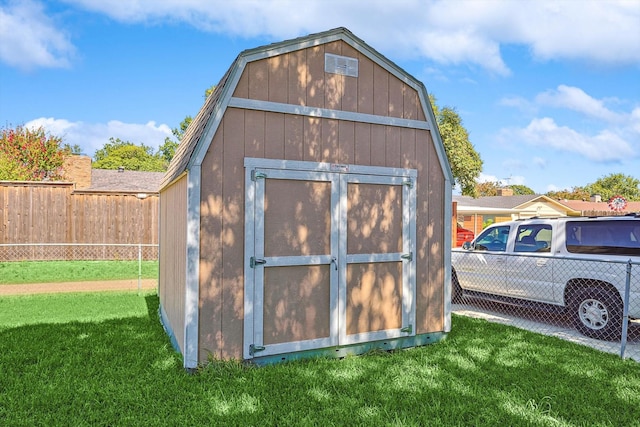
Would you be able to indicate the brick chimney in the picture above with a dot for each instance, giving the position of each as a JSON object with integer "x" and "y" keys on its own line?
{"x": 77, "y": 169}
{"x": 505, "y": 191}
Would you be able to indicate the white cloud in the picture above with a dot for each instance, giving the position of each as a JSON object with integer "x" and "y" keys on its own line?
{"x": 92, "y": 136}
{"x": 605, "y": 146}
{"x": 461, "y": 32}
{"x": 576, "y": 99}
{"x": 29, "y": 38}
{"x": 483, "y": 177}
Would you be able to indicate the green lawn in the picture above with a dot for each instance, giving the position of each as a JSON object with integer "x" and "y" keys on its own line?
{"x": 102, "y": 359}
{"x": 73, "y": 271}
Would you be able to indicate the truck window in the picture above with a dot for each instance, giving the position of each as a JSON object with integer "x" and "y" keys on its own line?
{"x": 493, "y": 239}
{"x": 533, "y": 238}
{"x": 621, "y": 237}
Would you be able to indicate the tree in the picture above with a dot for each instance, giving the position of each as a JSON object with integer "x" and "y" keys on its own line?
{"x": 616, "y": 184}
{"x": 521, "y": 190}
{"x": 486, "y": 189}
{"x": 464, "y": 160}
{"x": 30, "y": 155}
{"x": 576, "y": 193}
{"x": 168, "y": 149}
{"x": 117, "y": 153}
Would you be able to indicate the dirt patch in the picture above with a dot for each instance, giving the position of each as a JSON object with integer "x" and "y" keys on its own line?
{"x": 53, "y": 288}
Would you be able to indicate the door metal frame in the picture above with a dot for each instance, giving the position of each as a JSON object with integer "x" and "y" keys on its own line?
{"x": 340, "y": 175}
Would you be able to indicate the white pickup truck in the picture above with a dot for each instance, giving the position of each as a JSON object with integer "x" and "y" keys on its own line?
{"x": 575, "y": 264}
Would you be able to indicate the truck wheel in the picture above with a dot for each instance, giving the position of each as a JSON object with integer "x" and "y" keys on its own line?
{"x": 456, "y": 289}
{"x": 598, "y": 314}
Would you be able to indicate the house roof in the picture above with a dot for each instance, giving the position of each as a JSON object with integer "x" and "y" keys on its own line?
{"x": 200, "y": 132}
{"x": 126, "y": 181}
{"x": 499, "y": 202}
{"x": 493, "y": 204}
{"x": 600, "y": 207}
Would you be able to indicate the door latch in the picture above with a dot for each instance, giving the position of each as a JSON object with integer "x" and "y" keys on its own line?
{"x": 256, "y": 261}
{"x": 253, "y": 349}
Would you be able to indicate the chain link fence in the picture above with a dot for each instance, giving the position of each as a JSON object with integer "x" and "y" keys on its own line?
{"x": 78, "y": 252}
{"x": 17, "y": 259}
{"x": 588, "y": 301}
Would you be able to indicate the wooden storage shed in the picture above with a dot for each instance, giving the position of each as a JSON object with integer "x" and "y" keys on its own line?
{"x": 307, "y": 210}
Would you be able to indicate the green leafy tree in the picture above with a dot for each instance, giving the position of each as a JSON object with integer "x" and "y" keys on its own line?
{"x": 464, "y": 160}
{"x": 30, "y": 155}
{"x": 616, "y": 184}
{"x": 117, "y": 153}
{"x": 576, "y": 193}
{"x": 521, "y": 190}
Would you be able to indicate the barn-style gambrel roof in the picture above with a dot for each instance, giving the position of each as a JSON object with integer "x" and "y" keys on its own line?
{"x": 201, "y": 130}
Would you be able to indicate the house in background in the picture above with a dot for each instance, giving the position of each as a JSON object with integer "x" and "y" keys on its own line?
{"x": 476, "y": 213}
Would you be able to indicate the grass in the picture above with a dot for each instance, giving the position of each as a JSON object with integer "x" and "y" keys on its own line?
{"x": 103, "y": 359}
{"x": 73, "y": 271}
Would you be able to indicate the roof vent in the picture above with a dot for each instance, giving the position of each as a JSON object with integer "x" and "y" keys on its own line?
{"x": 337, "y": 64}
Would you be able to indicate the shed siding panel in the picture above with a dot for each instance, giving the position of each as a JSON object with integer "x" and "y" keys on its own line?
{"x": 366, "y": 88}
{"x": 435, "y": 198}
{"x": 293, "y": 131}
{"x": 396, "y": 97}
{"x": 350, "y": 84}
{"x": 173, "y": 260}
{"x": 258, "y": 73}
{"x": 381, "y": 91}
{"x": 274, "y": 143}
{"x": 298, "y": 77}
{"x": 363, "y": 143}
{"x": 430, "y": 235}
{"x": 211, "y": 265}
{"x": 278, "y": 68}
{"x": 315, "y": 77}
{"x": 233, "y": 234}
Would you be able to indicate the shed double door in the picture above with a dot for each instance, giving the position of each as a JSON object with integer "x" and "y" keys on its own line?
{"x": 330, "y": 258}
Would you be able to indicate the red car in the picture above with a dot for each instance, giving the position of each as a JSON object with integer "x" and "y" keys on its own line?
{"x": 463, "y": 235}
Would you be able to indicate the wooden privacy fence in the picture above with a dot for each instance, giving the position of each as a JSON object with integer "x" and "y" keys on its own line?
{"x": 52, "y": 212}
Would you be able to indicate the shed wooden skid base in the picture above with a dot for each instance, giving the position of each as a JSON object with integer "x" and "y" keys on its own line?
{"x": 353, "y": 350}
{"x": 308, "y": 207}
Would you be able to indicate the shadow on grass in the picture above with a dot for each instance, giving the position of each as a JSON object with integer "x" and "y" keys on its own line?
{"x": 125, "y": 372}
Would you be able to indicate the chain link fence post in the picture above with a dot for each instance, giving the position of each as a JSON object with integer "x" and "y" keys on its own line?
{"x": 625, "y": 311}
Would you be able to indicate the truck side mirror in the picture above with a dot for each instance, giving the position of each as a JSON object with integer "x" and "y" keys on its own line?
{"x": 467, "y": 246}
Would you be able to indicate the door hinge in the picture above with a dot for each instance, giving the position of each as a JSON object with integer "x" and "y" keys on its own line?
{"x": 408, "y": 183}
{"x": 256, "y": 261}
{"x": 407, "y": 329}
{"x": 257, "y": 175}
{"x": 253, "y": 349}
{"x": 408, "y": 256}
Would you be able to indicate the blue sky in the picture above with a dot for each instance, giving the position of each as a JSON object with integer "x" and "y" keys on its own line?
{"x": 549, "y": 91}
